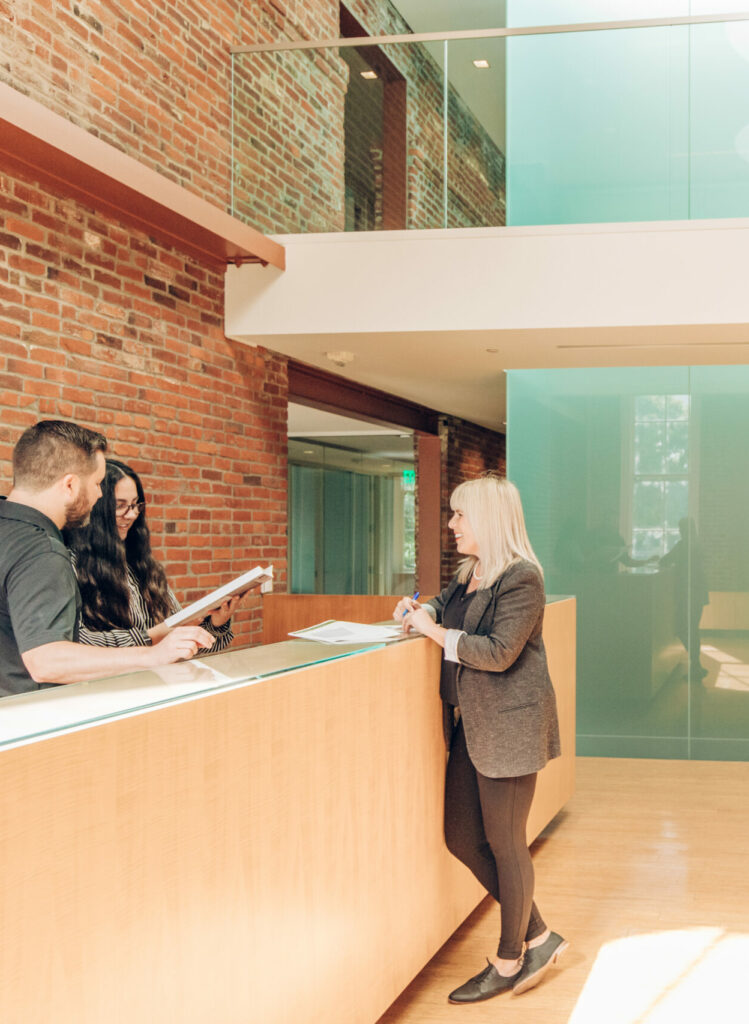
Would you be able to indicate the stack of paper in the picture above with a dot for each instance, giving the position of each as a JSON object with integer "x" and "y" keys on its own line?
{"x": 333, "y": 631}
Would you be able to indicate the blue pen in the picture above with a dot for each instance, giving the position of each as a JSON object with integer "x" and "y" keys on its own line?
{"x": 414, "y": 598}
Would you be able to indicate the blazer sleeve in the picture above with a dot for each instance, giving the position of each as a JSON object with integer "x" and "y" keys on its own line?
{"x": 518, "y": 611}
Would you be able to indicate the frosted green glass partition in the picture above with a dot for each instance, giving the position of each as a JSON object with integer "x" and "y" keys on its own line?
{"x": 626, "y": 124}
{"x": 351, "y": 517}
{"x": 635, "y": 484}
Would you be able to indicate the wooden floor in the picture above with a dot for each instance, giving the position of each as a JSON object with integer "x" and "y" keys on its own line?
{"x": 647, "y": 874}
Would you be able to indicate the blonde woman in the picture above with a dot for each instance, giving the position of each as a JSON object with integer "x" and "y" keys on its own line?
{"x": 501, "y": 719}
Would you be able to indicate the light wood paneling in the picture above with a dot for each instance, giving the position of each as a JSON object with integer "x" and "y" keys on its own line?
{"x": 270, "y": 854}
{"x": 284, "y": 612}
{"x": 556, "y": 783}
{"x": 726, "y": 610}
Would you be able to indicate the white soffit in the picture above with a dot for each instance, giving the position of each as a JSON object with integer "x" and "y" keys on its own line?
{"x": 437, "y": 317}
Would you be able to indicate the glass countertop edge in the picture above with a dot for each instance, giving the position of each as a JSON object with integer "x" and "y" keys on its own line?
{"x": 40, "y": 698}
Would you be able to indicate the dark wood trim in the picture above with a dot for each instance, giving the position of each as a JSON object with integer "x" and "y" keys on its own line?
{"x": 394, "y": 129}
{"x": 394, "y": 174}
{"x": 429, "y": 503}
{"x": 64, "y": 157}
{"x": 309, "y": 385}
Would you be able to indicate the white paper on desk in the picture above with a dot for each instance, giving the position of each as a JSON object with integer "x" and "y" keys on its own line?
{"x": 255, "y": 577}
{"x": 334, "y": 631}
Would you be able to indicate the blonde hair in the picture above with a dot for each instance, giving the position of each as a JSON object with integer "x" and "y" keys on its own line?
{"x": 493, "y": 508}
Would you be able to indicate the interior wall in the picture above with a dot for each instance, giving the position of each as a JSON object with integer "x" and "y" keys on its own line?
{"x": 467, "y": 452}
{"x": 100, "y": 324}
{"x": 663, "y": 617}
{"x": 103, "y": 326}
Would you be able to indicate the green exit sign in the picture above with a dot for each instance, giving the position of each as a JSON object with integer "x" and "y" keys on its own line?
{"x": 409, "y": 476}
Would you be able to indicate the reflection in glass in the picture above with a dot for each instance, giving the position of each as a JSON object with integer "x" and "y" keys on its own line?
{"x": 636, "y": 489}
{"x": 476, "y": 133}
{"x": 352, "y": 514}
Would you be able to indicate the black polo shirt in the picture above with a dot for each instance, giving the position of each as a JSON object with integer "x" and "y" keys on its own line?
{"x": 39, "y": 599}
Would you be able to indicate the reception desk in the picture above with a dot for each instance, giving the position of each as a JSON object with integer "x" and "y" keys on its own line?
{"x": 254, "y": 838}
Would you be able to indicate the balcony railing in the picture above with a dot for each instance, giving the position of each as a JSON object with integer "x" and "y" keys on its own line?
{"x": 642, "y": 120}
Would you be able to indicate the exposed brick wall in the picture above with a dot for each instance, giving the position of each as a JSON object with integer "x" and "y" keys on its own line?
{"x": 152, "y": 77}
{"x": 100, "y": 325}
{"x": 467, "y": 451}
{"x": 289, "y": 142}
{"x": 290, "y": 145}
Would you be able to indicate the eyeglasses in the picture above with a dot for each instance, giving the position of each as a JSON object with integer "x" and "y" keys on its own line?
{"x": 121, "y": 508}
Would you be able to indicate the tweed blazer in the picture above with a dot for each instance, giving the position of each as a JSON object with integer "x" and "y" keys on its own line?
{"x": 507, "y": 702}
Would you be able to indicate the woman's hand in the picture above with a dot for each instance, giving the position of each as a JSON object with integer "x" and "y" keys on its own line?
{"x": 419, "y": 620}
{"x": 181, "y": 644}
{"x": 221, "y": 615}
{"x": 158, "y": 632}
{"x": 404, "y": 606}
{"x": 422, "y": 622}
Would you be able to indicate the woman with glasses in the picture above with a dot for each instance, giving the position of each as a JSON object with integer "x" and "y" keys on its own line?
{"x": 125, "y": 596}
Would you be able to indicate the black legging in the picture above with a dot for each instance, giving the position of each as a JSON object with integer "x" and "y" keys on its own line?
{"x": 485, "y": 822}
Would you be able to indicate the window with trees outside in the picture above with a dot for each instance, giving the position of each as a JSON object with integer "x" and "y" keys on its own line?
{"x": 661, "y": 472}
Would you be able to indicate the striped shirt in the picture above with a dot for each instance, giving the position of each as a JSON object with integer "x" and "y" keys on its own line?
{"x": 142, "y": 621}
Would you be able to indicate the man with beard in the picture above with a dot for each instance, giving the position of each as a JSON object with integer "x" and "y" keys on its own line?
{"x": 57, "y": 471}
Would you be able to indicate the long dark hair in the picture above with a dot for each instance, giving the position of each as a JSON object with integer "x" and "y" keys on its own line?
{"x": 102, "y": 560}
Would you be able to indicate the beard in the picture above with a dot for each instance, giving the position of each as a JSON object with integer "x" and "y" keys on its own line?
{"x": 78, "y": 513}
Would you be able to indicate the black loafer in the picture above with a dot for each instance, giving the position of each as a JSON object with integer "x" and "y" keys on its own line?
{"x": 483, "y": 986}
{"x": 537, "y": 961}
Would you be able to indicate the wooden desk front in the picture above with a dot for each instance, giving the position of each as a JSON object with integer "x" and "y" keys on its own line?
{"x": 268, "y": 854}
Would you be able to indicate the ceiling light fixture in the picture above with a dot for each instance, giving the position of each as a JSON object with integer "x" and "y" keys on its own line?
{"x": 368, "y": 74}
{"x": 340, "y": 358}
{"x": 481, "y": 63}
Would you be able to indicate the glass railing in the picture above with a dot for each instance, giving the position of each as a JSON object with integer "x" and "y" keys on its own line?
{"x": 506, "y": 126}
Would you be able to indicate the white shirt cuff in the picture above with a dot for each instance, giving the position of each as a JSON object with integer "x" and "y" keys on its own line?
{"x": 451, "y": 644}
{"x": 431, "y": 610}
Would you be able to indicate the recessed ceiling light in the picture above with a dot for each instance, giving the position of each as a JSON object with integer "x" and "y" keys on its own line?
{"x": 308, "y": 451}
{"x": 368, "y": 74}
{"x": 481, "y": 63}
{"x": 340, "y": 358}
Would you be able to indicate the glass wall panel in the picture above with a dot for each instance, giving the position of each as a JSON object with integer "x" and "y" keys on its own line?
{"x": 568, "y": 12}
{"x": 352, "y": 523}
{"x": 636, "y": 486}
{"x": 719, "y": 120}
{"x": 719, "y": 568}
{"x": 598, "y": 126}
{"x": 288, "y": 140}
{"x": 476, "y": 133}
{"x": 339, "y": 138}
{"x": 605, "y": 486}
